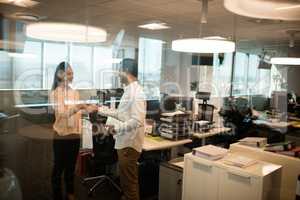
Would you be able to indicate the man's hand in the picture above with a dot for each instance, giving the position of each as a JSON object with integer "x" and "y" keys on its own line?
{"x": 103, "y": 108}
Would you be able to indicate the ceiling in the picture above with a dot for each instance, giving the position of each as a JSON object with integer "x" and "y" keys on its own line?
{"x": 182, "y": 15}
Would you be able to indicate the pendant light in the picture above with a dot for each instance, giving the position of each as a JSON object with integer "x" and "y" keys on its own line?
{"x": 64, "y": 32}
{"x": 203, "y": 45}
{"x": 265, "y": 9}
{"x": 285, "y": 61}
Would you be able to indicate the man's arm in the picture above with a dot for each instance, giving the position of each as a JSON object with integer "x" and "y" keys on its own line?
{"x": 107, "y": 112}
{"x": 137, "y": 117}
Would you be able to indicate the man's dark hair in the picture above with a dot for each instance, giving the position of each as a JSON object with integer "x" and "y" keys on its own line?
{"x": 130, "y": 66}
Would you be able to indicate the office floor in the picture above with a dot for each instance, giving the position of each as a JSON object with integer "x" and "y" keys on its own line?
{"x": 104, "y": 193}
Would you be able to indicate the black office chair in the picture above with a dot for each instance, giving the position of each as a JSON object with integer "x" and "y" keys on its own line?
{"x": 206, "y": 112}
{"x": 104, "y": 159}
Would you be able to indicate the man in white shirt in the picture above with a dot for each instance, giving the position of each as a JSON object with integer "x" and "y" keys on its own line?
{"x": 128, "y": 121}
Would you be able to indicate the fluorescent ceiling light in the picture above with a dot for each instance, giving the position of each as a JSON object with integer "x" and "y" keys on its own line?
{"x": 63, "y": 32}
{"x": 285, "y": 61}
{"x": 20, "y": 3}
{"x": 21, "y": 55}
{"x": 262, "y": 9}
{"x": 203, "y": 45}
{"x": 155, "y": 26}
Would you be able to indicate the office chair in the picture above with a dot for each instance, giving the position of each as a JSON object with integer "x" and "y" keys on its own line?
{"x": 105, "y": 157}
{"x": 206, "y": 112}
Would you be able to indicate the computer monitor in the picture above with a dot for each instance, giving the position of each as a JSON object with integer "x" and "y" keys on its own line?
{"x": 153, "y": 109}
{"x": 205, "y": 96}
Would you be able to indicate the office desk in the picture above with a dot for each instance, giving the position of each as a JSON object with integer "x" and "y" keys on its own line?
{"x": 150, "y": 143}
{"x": 293, "y": 118}
{"x": 274, "y": 125}
{"x": 159, "y": 143}
{"x": 43, "y": 132}
{"x": 33, "y": 157}
{"x": 210, "y": 133}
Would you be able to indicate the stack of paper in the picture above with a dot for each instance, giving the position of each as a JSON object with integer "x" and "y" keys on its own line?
{"x": 172, "y": 114}
{"x": 239, "y": 161}
{"x": 254, "y": 141}
{"x": 210, "y": 152}
{"x": 175, "y": 125}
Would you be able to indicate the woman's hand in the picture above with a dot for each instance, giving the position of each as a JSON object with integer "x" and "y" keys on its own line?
{"x": 91, "y": 108}
{"x": 81, "y": 106}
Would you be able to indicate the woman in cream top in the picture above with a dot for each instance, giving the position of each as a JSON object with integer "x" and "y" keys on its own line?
{"x": 67, "y": 113}
{"x": 67, "y": 127}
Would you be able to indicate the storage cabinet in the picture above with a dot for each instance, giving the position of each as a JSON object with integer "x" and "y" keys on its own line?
{"x": 213, "y": 180}
{"x": 200, "y": 180}
{"x": 238, "y": 186}
{"x": 170, "y": 182}
{"x": 290, "y": 167}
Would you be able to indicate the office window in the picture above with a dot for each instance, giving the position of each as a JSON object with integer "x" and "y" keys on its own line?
{"x": 103, "y": 67}
{"x": 222, "y": 75}
{"x": 54, "y": 53}
{"x": 5, "y": 71}
{"x": 150, "y": 63}
{"x": 81, "y": 62}
{"x": 264, "y": 83}
{"x": 216, "y": 78}
{"x": 129, "y": 52}
{"x": 240, "y": 74}
{"x": 248, "y": 78}
{"x": 28, "y": 67}
{"x": 253, "y": 74}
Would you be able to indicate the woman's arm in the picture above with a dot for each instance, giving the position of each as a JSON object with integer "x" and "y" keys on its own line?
{"x": 61, "y": 108}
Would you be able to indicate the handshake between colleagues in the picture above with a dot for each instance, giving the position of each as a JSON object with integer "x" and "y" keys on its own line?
{"x": 126, "y": 123}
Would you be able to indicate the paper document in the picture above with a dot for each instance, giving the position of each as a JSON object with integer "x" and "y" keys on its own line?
{"x": 239, "y": 161}
{"x": 87, "y": 135}
{"x": 210, "y": 152}
{"x": 113, "y": 122}
{"x": 172, "y": 114}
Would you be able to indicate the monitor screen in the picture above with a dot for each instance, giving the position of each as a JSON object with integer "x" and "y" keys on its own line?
{"x": 153, "y": 109}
